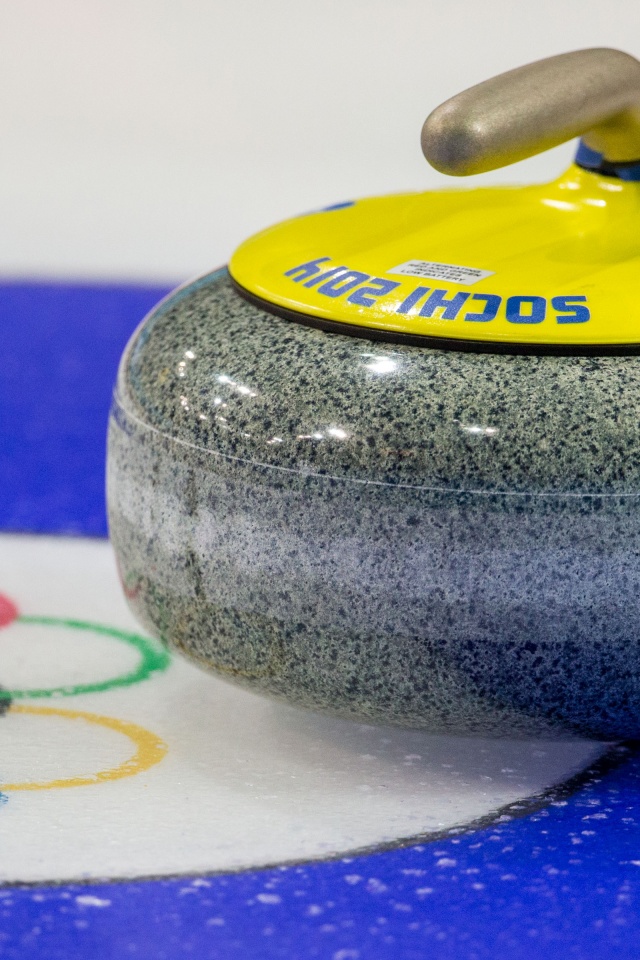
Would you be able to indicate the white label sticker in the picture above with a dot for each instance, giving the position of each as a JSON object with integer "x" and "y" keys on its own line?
{"x": 449, "y": 272}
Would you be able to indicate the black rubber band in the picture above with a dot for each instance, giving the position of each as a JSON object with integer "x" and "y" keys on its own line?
{"x": 427, "y": 341}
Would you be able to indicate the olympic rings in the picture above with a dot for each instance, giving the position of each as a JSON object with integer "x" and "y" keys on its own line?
{"x": 153, "y": 659}
{"x": 150, "y": 749}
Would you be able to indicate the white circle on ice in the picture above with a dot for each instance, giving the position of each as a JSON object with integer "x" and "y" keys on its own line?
{"x": 246, "y": 781}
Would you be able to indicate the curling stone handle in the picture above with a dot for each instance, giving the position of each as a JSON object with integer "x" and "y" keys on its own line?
{"x": 590, "y": 93}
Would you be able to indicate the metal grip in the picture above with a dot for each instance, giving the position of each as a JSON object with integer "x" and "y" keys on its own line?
{"x": 590, "y": 93}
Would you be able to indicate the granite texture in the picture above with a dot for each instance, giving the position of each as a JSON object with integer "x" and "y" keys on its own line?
{"x": 434, "y": 538}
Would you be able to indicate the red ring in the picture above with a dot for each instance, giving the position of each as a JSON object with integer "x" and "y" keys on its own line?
{"x": 8, "y": 610}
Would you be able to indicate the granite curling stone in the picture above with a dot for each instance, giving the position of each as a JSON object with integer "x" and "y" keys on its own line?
{"x": 360, "y": 506}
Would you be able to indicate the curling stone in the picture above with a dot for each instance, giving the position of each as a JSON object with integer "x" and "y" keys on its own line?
{"x": 387, "y": 464}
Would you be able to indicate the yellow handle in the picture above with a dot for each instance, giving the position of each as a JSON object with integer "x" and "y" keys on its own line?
{"x": 590, "y": 93}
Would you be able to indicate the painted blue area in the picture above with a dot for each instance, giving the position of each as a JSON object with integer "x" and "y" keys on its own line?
{"x": 338, "y": 206}
{"x": 561, "y": 883}
{"x": 558, "y": 884}
{"x": 592, "y": 160}
{"x": 586, "y": 157}
{"x": 60, "y": 352}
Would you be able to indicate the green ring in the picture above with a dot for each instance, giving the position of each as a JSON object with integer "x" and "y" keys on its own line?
{"x": 153, "y": 659}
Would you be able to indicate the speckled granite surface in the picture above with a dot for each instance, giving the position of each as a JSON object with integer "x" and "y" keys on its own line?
{"x": 439, "y": 539}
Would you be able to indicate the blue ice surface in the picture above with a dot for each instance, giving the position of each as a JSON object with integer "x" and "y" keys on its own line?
{"x": 61, "y": 344}
{"x": 560, "y": 883}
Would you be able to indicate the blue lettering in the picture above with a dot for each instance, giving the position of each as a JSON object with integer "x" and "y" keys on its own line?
{"x": 364, "y": 296}
{"x": 491, "y": 307}
{"x": 412, "y": 299}
{"x": 452, "y": 306}
{"x": 306, "y": 269}
{"x": 569, "y": 306}
{"x": 338, "y": 281}
{"x": 343, "y": 282}
{"x": 319, "y": 278}
{"x": 514, "y": 309}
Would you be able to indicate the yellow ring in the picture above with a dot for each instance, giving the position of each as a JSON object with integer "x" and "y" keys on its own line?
{"x": 149, "y": 750}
